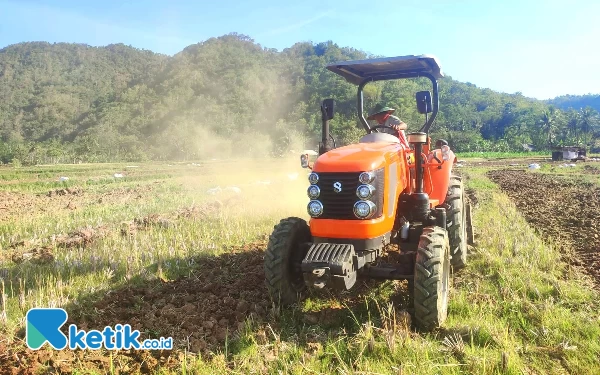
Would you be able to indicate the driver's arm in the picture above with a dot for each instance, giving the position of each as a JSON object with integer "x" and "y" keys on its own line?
{"x": 396, "y": 123}
{"x": 402, "y": 125}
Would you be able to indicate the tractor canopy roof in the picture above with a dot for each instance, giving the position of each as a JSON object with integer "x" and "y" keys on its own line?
{"x": 357, "y": 71}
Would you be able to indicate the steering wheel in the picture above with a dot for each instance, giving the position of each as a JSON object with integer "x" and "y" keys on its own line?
{"x": 384, "y": 126}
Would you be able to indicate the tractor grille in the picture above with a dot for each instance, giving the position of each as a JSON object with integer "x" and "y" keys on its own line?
{"x": 341, "y": 205}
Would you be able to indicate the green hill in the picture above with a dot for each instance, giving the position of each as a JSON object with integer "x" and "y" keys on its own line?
{"x": 576, "y": 102}
{"x": 65, "y": 102}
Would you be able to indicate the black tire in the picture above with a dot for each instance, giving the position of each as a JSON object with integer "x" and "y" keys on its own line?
{"x": 456, "y": 222}
{"x": 283, "y": 258}
{"x": 432, "y": 279}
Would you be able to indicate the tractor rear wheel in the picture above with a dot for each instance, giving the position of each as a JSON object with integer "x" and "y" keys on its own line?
{"x": 283, "y": 258}
{"x": 456, "y": 222}
{"x": 431, "y": 279}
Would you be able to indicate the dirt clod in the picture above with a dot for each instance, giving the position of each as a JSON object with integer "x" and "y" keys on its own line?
{"x": 153, "y": 220}
{"x": 42, "y": 255}
{"x": 209, "y": 209}
{"x": 81, "y": 237}
{"x": 67, "y": 191}
{"x": 242, "y": 306}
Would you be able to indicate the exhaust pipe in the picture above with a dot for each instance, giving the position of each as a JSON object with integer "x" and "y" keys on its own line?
{"x": 420, "y": 199}
{"x": 326, "y": 115}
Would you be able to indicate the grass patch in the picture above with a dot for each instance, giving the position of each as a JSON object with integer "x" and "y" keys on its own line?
{"x": 502, "y": 155}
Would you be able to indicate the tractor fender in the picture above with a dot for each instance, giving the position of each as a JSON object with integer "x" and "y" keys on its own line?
{"x": 437, "y": 175}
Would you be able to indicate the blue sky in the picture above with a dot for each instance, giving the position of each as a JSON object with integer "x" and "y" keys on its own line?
{"x": 540, "y": 48}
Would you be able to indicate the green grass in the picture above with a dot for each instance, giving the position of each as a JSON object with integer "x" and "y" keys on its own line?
{"x": 501, "y": 155}
{"x": 517, "y": 308}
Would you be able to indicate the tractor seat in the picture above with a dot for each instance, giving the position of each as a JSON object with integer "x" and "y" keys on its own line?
{"x": 379, "y": 137}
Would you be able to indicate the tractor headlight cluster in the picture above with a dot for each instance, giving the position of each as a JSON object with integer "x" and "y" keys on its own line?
{"x": 365, "y": 208}
{"x": 366, "y": 177}
{"x": 365, "y": 191}
{"x": 315, "y": 208}
{"x": 313, "y": 192}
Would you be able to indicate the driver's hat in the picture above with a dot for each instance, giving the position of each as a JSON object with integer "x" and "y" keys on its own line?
{"x": 380, "y": 108}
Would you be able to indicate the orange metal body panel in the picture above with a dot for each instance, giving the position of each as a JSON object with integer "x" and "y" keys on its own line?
{"x": 357, "y": 157}
{"x": 437, "y": 180}
{"x": 370, "y": 156}
{"x": 351, "y": 229}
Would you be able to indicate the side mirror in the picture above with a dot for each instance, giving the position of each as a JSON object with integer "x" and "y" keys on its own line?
{"x": 327, "y": 109}
{"x": 424, "y": 102}
{"x": 305, "y": 161}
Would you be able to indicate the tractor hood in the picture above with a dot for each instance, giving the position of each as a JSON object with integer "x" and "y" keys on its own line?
{"x": 358, "y": 157}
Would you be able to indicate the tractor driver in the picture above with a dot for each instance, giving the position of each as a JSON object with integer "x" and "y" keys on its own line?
{"x": 383, "y": 115}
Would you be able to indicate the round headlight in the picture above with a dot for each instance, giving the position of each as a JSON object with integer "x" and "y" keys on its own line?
{"x": 315, "y": 208}
{"x": 366, "y": 177}
{"x": 364, "y": 209}
{"x": 313, "y": 192}
{"x": 313, "y": 178}
{"x": 365, "y": 191}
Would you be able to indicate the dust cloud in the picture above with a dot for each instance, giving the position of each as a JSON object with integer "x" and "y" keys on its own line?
{"x": 246, "y": 180}
{"x": 245, "y": 138}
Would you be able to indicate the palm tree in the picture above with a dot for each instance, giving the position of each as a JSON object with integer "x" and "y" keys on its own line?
{"x": 549, "y": 124}
{"x": 588, "y": 121}
{"x": 573, "y": 126}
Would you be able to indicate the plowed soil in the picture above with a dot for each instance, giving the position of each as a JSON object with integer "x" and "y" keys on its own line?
{"x": 12, "y": 204}
{"x": 563, "y": 210}
{"x": 15, "y": 204}
{"x": 199, "y": 312}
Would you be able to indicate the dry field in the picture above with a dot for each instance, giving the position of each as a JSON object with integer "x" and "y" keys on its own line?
{"x": 176, "y": 250}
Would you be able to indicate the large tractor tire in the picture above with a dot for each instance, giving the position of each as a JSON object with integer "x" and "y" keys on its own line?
{"x": 431, "y": 279}
{"x": 283, "y": 258}
{"x": 456, "y": 222}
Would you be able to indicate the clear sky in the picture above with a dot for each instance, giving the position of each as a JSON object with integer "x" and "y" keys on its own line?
{"x": 540, "y": 48}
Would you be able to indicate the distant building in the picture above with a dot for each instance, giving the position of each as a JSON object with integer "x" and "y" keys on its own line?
{"x": 572, "y": 153}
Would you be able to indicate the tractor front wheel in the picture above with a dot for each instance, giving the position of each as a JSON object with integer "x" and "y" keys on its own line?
{"x": 283, "y": 258}
{"x": 431, "y": 279}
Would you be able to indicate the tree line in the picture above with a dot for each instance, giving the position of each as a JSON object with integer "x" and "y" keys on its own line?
{"x": 73, "y": 102}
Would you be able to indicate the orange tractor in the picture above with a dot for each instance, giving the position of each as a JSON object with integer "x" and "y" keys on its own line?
{"x": 375, "y": 193}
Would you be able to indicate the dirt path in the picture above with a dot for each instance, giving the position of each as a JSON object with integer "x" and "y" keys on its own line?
{"x": 565, "y": 211}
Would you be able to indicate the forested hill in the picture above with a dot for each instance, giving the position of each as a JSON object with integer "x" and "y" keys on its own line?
{"x": 576, "y": 102}
{"x": 65, "y": 102}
